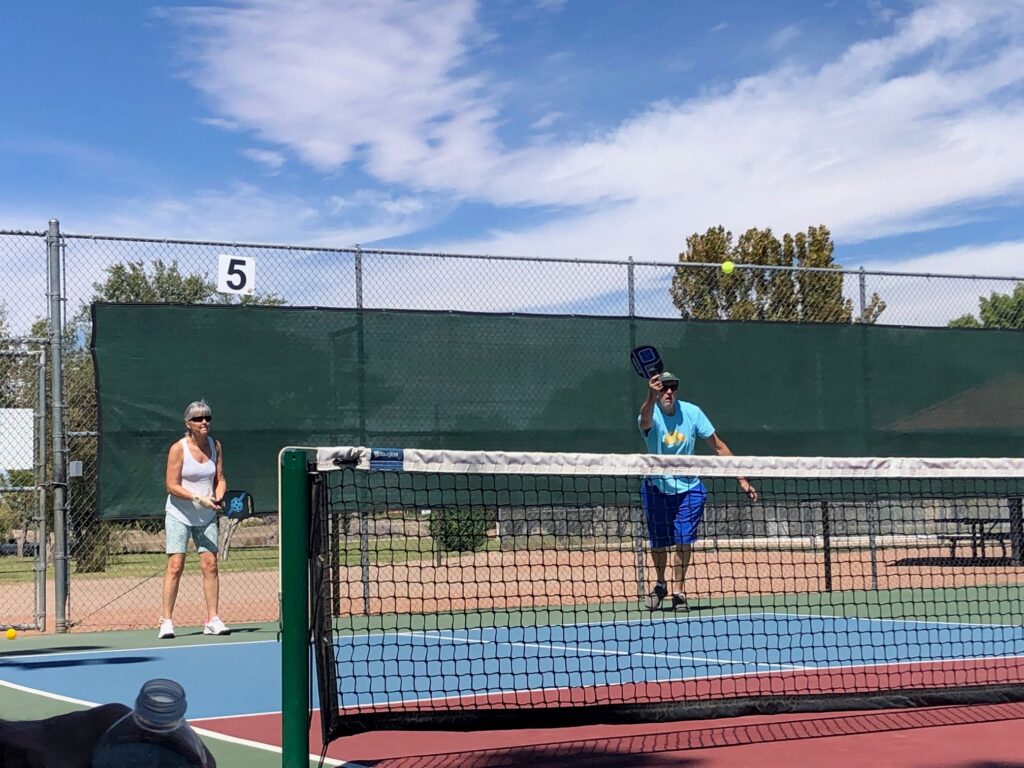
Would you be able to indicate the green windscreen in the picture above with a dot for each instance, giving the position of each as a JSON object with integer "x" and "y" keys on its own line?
{"x": 279, "y": 376}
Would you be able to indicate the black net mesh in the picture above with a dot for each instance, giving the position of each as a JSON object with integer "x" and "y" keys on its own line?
{"x": 448, "y": 600}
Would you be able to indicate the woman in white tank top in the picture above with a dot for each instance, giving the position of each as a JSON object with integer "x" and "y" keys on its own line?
{"x": 195, "y": 481}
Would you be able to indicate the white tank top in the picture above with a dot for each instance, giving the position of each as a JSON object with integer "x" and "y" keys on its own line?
{"x": 197, "y": 478}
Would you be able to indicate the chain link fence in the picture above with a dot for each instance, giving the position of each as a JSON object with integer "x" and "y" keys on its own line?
{"x": 114, "y": 570}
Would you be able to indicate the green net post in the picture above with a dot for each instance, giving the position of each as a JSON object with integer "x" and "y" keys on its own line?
{"x": 295, "y": 676}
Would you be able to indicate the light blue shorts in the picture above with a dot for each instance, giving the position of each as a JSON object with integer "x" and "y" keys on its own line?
{"x": 178, "y": 534}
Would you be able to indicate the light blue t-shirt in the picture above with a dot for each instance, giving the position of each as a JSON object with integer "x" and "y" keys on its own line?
{"x": 676, "y": 434}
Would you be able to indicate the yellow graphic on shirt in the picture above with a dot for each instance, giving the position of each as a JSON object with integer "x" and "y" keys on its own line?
{"x": 675, "y": 437}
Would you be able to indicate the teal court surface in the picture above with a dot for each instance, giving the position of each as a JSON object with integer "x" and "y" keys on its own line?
{"x": 234, "y": 688}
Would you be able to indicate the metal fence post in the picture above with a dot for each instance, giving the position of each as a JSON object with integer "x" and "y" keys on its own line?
{"x": 41, "y": 536}
{"x": 826, "y": 543}
{"x": 631, "y": 280}
{"x": 60, "y": 557}
{"x": 873, "y": 543}
{"x": 360, "y": 341}
{"x": 1016, "y": 515}
{"x": 863, "y": 284}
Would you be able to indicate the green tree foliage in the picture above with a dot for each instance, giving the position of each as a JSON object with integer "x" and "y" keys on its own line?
{"x": 8, "y": 382}
{"x": 19, "y": 388}
{"x": 1000, "y": 310}
{"x": 136, "y": 282}
{"x": 460, "y": 529}
{"x": 777, "y": 295}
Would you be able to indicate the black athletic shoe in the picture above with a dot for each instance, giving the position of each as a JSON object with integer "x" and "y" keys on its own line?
{"x": 653, "y": 601}
{"x": 679, "y": 602}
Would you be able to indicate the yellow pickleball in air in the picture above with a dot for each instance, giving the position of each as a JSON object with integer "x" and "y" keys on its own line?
{"x": 727, "y": 267}
{"x": 12, "y": 633}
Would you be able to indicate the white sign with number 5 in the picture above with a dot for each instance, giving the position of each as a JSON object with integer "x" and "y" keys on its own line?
{"x": 236, "y": 274}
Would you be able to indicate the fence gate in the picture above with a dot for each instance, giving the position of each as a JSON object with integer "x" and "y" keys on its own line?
{"x": 23, "y": 531}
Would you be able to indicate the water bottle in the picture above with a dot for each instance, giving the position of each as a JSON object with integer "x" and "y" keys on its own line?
{"x": 154, "y": 734}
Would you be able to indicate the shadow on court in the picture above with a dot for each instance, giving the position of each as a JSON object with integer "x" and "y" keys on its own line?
{"x": 959, "y": 562}
{"x": 48, "y": 651}
{"x": 650, "y": 750}
{"x": 77, "y": 663}
{"x": 524, "y": 757}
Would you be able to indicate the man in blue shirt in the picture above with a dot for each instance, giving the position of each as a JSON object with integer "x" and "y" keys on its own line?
{"x": 674, "y": 505}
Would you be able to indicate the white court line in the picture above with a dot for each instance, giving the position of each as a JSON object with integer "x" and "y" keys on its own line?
{"x": 42, "y": 652}
{"x": 888, "y": 621}
{"x": 655, "y": 620}
{"x": 768, "y": 668}
{"x": 600, "y": 652}
{"x": 439, "y": 634}
{"x": 47, "y": 694}
{"x": 202, "y": 731}
{"x": 467, "y": 697}
{"x": 844, "y": 667}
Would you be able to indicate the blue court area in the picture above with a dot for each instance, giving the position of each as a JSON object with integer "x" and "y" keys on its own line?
{"x": 243, "y": 678}
{"x": 395, "y": 667}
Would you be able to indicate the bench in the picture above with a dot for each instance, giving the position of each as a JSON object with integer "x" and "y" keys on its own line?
{"x": 976, "y": 541}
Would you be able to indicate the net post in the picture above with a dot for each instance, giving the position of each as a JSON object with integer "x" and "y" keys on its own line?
{"x": 295, "y": 672}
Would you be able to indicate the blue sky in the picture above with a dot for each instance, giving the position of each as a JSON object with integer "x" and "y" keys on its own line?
{"x": 556, "y": 128}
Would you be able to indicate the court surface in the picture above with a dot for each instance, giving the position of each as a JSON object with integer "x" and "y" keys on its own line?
{"x": 233, "y": 688}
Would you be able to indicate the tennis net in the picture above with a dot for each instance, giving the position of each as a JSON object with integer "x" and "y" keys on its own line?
{"x": 460, "y": 590}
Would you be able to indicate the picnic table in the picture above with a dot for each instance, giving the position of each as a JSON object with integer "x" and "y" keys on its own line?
{"x": 977, "y": 531}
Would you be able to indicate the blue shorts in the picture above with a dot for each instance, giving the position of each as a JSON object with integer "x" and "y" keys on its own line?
{"x": 673, "y": 518}
{"x": 205, "y": 536}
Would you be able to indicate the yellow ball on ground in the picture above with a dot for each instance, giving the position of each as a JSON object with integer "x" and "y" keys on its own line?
{"x": 727, "y": 267}
{"x": 12, "y": 633}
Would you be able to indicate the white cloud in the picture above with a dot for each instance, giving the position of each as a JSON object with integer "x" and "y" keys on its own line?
{"x": 892, "y": 131}
{"x": 392, "y": 205}
{"x": 785, "y": 37}
{"x": 548, "y": 120}
{"x": 273, "y": 161}
{"x": 325, "y": 78}
{"x": 915, "y": 300}
{"x": 999, "y": 259}
{"x": 219, "y": 122}
{"x": 246, "y": 213}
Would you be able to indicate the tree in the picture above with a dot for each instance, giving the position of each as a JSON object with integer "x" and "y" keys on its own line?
{"x": 777, "y": 295}
{"x": 999, "y": 310}
{"x": 19, "y": 388}
{"x": 157, "y": 282}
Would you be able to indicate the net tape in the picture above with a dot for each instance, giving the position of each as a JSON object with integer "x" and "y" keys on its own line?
{"x": 638, "y": 464}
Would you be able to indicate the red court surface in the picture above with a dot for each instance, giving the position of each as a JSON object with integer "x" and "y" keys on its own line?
{"x": 979, "y": 736}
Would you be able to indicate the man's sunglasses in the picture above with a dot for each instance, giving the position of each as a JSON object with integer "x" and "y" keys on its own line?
{"x": 670, "y": 387}
{"x": 197, "y": 419}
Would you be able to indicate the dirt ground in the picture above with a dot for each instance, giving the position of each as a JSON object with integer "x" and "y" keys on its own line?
{"x": 502, "y": 580}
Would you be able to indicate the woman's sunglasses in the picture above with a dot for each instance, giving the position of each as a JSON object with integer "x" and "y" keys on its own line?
{"x": 197, "y": 419}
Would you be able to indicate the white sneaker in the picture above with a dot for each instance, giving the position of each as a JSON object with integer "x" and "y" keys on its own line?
{"x": 166, "y": 629}
{"x": 215, "y": 627}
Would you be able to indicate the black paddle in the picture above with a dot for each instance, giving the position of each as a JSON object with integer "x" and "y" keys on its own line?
{"x": 646, "y": 361}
